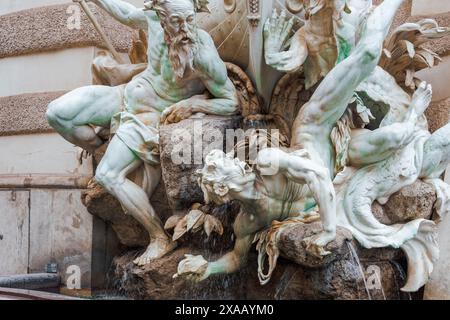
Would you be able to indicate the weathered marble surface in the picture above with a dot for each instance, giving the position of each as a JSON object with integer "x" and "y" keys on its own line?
{"x": 377, "y": 174}
{"x": 291, "y": 247}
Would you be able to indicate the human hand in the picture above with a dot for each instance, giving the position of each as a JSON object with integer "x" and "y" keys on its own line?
{"x": 277, "y": 30}
{"x": 194, "y": 268}
{"x": 176, "y": 113}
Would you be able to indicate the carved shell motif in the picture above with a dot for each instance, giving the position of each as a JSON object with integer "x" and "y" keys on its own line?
{"x": 228, "y": 26}
{"x": 294, "y": 6}
{"x": 229, "y": 5}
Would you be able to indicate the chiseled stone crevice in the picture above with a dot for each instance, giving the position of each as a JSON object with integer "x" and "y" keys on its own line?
{"x": 45, "y": 29}
{"x": 25, "y": 113}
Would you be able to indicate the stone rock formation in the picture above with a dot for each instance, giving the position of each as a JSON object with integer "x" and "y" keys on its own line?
{"x": 180, "y": 179}
{"x": 299, "y": 275}
{"x": 291, "y": 247}
{"x": 350, "y": 272}
{"x": 412, "y": 202}
{"x": 346, "y": 278}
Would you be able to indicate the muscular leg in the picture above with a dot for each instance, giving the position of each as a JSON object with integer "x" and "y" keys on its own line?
{"x": 73, "y": 114}
{"x": 112, "y": 173}
{"x": 436, "y": 154}
{"x": 316, "y": 119}
{"x": 374, "y": 146}
{"x": 436, "y": 160}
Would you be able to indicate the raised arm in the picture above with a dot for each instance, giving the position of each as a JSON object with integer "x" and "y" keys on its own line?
{"x": 125, "y": 13}
{"x": 245, "y": 228}
{"x": 331, "y": 98}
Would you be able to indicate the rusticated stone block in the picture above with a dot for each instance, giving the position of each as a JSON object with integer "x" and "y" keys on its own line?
{"x": 25, "y": 113}
{"x": 46, "y": 28}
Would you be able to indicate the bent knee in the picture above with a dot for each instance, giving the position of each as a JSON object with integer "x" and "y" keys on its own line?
{"x": 52, "y": 113}
{"x": 55, "y": 116}
{"x": 106, "y": 178}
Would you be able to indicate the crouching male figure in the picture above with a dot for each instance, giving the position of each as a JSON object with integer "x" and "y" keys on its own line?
{"x": 185, "y": 76}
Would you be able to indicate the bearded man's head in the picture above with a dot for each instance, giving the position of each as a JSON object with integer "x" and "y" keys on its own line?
{"x": 178, "y": 19}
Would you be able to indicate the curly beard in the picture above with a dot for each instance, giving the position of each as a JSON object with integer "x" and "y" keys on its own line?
{"x": 182, "y": 51}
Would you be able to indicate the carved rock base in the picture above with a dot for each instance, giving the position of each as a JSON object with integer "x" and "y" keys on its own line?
{"x": 341, "y": 279}
{"x": 195, "y": 136}
{"x": 412, "y": 202}
{"x": 292, "y": 248}
{"x": 129, "y": 232}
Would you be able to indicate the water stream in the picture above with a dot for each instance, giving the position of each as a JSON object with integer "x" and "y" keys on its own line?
{"x": 355, "y": 258}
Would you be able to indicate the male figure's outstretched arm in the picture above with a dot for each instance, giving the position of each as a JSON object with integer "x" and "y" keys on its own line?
{"x": 245, "y": 228}
{"x": 125, "y": 13}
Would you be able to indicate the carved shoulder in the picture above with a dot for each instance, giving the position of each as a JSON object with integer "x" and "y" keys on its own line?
{"x": 208, "y": 60}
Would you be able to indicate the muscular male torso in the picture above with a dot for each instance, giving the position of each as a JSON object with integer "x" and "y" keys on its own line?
{"x": 157, "y": 88}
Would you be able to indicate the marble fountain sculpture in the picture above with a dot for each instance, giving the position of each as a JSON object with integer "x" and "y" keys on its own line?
{"x": 351, "y": 139}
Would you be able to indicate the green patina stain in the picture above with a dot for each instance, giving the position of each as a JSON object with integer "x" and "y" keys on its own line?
{"x": 344, "y": 49}
{"x": 309, "y": 205}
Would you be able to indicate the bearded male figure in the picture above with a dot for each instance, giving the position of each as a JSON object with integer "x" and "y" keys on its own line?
{"x": 183, "y": 65}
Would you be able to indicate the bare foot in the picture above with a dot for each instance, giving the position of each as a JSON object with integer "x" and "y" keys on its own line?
{"x": 422, "y": 98}
{"x": 315, "y": 245}
{"x": 156, "y": 249}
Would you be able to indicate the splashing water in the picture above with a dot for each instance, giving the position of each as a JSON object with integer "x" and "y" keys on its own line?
{"x": 355, "y": 258}
{"x": 402, "y": 275}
